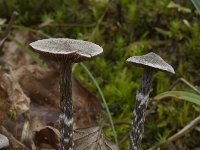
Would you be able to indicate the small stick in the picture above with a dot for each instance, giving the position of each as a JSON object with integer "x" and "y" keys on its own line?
{"x": 125, "y": 137}
{"x": 179, "y": 134}
{"x": 74, "y": 25}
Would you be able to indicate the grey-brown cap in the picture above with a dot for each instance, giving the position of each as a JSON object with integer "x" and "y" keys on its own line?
{"x": 151, "y": 60}
{"x": 4, "y": 142}
{"x": 64, "y": 49}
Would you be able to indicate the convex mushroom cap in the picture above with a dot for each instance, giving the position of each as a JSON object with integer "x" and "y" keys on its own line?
{"x": 151, "y": 60}
{"x": 64, "y": 49}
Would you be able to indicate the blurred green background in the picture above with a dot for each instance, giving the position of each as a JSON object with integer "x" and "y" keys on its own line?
{"x": 125, "y": 28}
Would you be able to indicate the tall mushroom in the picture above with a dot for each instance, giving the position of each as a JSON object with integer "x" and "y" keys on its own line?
{"x": 151, "y": 63}
{"x": 66, "y": 51}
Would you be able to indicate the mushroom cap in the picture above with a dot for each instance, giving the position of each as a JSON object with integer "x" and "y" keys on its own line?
{"x": 151, "y": 60}
{"x": 64, "y": 49}
{"x": 4, "y": 142}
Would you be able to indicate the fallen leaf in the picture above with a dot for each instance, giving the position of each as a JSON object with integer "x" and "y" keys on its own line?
{"x": 16, "y": 97}
{"x": 86, "y": 106}
{"x": 48, "y": 135}
{"x": 4, "y": 105}
{"x": 44, "y": 86}
{"x": 92, "y": 139}
{"x": 43, "y": 91}
{"x": 13, "y": 54}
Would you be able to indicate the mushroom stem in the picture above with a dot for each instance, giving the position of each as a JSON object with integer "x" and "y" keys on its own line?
{"x": 142, "y": 98}
{"x": 66, "y": 109}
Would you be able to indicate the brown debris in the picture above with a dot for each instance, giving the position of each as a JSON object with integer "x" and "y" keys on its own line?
{"x": 45, "y": 91}
{"x": 15, "y": 144}
{"x": 13, "y": 54}
{"x": 16, "y": 97}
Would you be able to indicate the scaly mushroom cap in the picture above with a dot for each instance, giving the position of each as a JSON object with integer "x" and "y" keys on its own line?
{"x": 64, "y": 49}
{"x": 151, "y": 60}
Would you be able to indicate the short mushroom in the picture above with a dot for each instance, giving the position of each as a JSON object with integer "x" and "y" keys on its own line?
{"x": 66, "y": 51}
{"x": 151, "y": 63}
{"x": 4, "y": 142}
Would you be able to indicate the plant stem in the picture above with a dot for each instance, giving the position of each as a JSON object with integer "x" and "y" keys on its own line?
{"x": 142, "y": 98}
{"x": 66, "y": 109}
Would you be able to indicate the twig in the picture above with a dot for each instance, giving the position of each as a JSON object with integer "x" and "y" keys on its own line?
{"x": 179, "y": 134}
{"x": 124, "y": 138}
{"x": 186, "y": 83}
{"x": 74, "y": 25}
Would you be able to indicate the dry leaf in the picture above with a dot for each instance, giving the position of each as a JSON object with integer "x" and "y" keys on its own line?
{"x": 16, "y": 97}
{"x": 37, "y": 124}
{"x": 13, "y": 54}
{"x": 42, "y": 116}
{"x": 44, "y": 86}
{"x": 92, "y": 139}
{"x": 86, "y": 106}
{"x": 48, "y": 135}
{"x": 4, "y": 105}
{"x": 43, "y": 90}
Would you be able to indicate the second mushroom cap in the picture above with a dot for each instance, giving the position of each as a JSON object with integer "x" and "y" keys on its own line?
{"x": 151, "y": 60}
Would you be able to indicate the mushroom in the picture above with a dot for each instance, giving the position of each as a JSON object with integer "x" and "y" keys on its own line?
{"x": 151, "y": 63}
{"x": 3, "y": 141}
{"x": 66, "y": 51}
